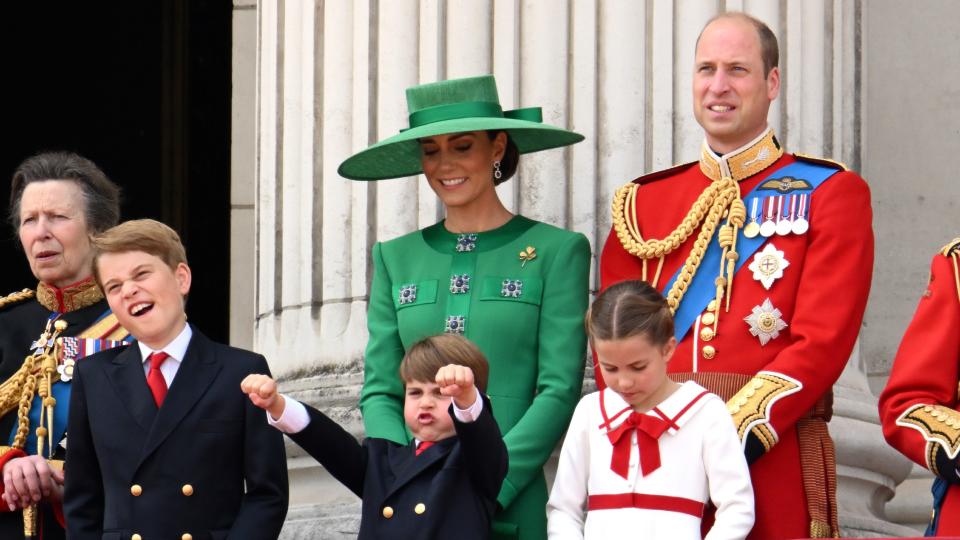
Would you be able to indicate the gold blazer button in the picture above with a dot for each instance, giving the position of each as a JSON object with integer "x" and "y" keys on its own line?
{"x": 420, "y": 508}
{"x": 186, "y": 536}
{"x": 136, "y": 537}
{"x": 387, "y": 512}
{"x": 187, "y": 490}
{"x": 136, "y": 490}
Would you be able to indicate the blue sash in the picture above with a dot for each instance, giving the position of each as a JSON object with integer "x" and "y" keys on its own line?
{"x": 939, "y": 490}
{"x": 702, "y": 287}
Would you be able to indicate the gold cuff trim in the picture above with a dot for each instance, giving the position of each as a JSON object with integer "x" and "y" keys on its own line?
{"x": 939, "y": 425}
{"x": 750, "y": 407}
{"x": 4, "y": 450}
{"x": 744, "y": 162}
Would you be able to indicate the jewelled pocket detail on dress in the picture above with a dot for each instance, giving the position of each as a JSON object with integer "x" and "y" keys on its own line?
{"x": 408, "y": 294}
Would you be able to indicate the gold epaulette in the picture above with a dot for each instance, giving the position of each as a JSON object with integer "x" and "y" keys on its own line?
{"x": 647, "y": 178}
{"x": 822, "y": 161}
{"x": 16, "y": 297}
{"x": 952, "y": 247}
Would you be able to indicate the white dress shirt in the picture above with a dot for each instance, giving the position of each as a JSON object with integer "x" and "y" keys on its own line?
{"x": 176, "y": 350}
{"x": 295, "y": 417}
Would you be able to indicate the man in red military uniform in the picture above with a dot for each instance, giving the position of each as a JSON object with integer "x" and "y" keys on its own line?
{"x": 919, "y": 406}
{"x": 765, "y": 258}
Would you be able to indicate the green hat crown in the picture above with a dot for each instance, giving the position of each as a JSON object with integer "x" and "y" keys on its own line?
{"x": 452, "y": 106}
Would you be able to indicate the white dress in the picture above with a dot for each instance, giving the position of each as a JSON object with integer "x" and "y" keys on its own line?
{"x": 701, "y": 460}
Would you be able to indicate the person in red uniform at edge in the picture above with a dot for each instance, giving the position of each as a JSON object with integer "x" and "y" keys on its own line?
{"x": 765, "y": 258}
{"x": 919, "y": 406}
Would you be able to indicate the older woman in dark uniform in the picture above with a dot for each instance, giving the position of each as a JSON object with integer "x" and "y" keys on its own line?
{"x": 57, "y": 200}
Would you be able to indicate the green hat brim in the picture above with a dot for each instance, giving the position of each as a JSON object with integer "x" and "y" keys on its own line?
{"x": 399, "y": 156}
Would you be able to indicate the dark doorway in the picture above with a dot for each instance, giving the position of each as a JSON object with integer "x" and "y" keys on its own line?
{"x": 142, "y": 89}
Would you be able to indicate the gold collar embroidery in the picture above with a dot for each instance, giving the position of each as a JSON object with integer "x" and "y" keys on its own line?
{"x": 70, "y": 298}
{"x": 744, "y": 162}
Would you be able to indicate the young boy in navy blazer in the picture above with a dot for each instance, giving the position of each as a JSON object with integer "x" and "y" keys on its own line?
{"x": 442, "y": 485}
{"x": 161, "y": 444}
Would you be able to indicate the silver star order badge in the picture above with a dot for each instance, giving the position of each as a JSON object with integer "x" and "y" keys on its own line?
{"x": 765, "y": 322}
{"x": 768, "y": 265}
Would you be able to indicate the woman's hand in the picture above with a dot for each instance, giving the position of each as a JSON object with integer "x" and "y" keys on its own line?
{"x": 262, "y": 391}
{"x": 30, "y": 479}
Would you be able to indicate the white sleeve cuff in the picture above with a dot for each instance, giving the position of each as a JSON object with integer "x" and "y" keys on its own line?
{"x": 471, "y": 413}
{"x": 294, "y": 419}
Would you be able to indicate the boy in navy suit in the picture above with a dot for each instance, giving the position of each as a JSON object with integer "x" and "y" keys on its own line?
{"x": 161, "y": 444}
{"x": 445, "y": 483}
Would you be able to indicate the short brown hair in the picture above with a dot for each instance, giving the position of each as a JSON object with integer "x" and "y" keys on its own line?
{"x": 146, "y": 235}
{"x": 627, "y": 309}
{"x": 427, "y": 356}
{"x": 769, "y": 49}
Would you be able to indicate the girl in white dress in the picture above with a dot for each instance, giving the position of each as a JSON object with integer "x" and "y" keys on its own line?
{"x": 644, "y": 457}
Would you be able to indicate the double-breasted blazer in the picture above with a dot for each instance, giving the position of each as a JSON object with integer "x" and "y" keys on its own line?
{"x": 205, "y": 463}
{"x": 448, "y": 491}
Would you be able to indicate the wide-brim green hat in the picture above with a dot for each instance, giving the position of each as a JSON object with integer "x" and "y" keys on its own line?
{"x": 453, "y": 106}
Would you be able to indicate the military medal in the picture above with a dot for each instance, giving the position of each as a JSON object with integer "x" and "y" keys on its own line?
{"x": 768, "y": 265}
{"x": 765, "y": 322}
{"x": 800, "y": 223}
{"x": 753, "y": 228}
{"x": 785, "y": 217}
{"x": 769, "y": 227}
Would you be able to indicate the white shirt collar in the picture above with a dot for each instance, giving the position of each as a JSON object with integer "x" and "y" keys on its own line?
{"x": 177, "y": 348}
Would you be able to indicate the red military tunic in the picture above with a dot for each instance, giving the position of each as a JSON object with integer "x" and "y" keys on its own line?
{"x": 918, "y": 407}
{"x": 775, "y": 384}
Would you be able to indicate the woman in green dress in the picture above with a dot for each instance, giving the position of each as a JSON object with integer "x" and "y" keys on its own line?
{"x": 516, "y": 287}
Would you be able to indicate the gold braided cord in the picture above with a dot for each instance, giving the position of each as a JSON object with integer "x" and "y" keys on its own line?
{"x": 721, "y": 198}
{"x": 26, "y": 397}
{"x": 16, "y": 297}
{"x": 952, "y": 250}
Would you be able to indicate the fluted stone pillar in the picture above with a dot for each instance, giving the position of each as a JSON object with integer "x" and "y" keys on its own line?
{"x": 328, "y": 79}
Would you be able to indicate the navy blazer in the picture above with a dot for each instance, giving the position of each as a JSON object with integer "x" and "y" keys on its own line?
{"x": 179, "y": 469}
{"x": 448, "y": 491}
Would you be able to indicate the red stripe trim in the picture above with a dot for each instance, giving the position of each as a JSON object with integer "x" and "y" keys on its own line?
{"x": 603, "y": 412}
{"x": 687, "y": 408}
{"x": 645, "y": 501}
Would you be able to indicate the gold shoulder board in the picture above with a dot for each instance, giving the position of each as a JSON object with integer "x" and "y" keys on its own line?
{"x": 16, "y": 298}
{"x": 822, "y": 161}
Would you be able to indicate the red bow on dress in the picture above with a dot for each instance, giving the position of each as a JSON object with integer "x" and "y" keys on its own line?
{"x": 648, "y": 428}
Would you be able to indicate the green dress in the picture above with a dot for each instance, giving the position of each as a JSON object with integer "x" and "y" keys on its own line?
{"x": 525, "y": 314}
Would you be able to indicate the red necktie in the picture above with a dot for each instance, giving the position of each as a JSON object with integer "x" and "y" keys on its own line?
{"x": 423, "y": 445}
{"x": 155, "y": 380}
{"x": 648, "y": 428}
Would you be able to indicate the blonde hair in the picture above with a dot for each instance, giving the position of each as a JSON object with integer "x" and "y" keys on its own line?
{"x": 427, "y": 356}
{"x": 627, "y": 309}
{"x": 146, "y": 235}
